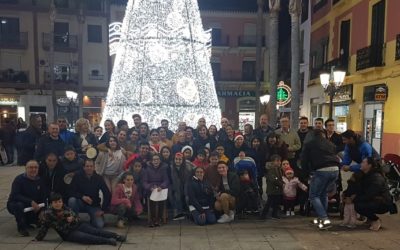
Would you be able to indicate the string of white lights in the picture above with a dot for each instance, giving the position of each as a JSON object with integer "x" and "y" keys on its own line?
{"x": 162, "y": 67}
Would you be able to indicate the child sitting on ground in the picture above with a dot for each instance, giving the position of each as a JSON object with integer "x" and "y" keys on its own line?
{"x": 248, "y": 199}
{"x": 68, "y": 225}
{"x": 125, "y": 200}
{"x": 290, "y": 184}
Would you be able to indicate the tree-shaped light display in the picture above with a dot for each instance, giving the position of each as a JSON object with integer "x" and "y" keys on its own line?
{"x": 162, "y": 66}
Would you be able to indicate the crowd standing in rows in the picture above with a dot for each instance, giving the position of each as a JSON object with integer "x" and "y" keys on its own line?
{"x": 211, "y": 175}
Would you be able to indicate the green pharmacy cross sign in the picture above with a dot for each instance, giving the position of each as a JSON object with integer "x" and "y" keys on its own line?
{"x": 283, "y": 94}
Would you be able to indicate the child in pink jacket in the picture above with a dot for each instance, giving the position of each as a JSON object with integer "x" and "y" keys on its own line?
{"x": 290, "y": 184}
{"x": 125, "y": 200}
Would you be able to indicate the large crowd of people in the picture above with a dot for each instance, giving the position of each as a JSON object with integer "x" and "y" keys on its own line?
{"x": 211, "y": 175}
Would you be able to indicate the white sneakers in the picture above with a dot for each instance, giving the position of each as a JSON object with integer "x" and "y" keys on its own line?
{"x": 290, "y": 213}
{"x": 224, "y": 219}
{"x": 227, "y": 218}
{"x": 232, "y": 215}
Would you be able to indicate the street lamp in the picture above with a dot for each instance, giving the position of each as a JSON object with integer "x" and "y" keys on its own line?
{"x": 331, "y": 83}
{"x": 72, "y": 97}
{"x": 265, "y": 99}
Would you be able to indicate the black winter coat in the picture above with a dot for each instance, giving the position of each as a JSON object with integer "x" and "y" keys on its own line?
{"x": 27, "y": 146}
{"x": 200, "y": 194}
{"x": 54, "y": 180}
{"x": 26, "y": 190}
{"x": 318, "y": 153}
{"x": 372, "y": 187}
{"x": 234, "y": 185}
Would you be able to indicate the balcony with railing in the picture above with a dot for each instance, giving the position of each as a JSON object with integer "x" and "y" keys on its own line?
{"x": 62, "y": 42}
{"x": 61, "y": 78}
{"x": 249, "y": 41}
{"x": 397, "y": 54}
{"x": 13, "y": 76}
{"x": 339, "y": 63}
{"x": 222, "y": 41}
{"x": 371, "y": 56}
{"x": 14, "y": 41}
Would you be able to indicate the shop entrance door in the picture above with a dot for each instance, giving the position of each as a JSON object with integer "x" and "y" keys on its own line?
{"x": 373, "y": 125}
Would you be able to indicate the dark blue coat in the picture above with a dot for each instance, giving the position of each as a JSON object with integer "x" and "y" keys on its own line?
{"x": 26, "y": 190}
{"x": 48, "y": 145}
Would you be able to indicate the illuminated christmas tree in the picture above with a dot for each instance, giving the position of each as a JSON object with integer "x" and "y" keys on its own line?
{"x": 162, "y": 66}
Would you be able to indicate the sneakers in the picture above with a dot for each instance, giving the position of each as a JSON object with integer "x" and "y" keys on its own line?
{"x": 224, "y": 219}
{"x": 120, "y": 224}
{"x": 314, "y": 222}
{"x": 288, "y": 213}
{"x": 324, "y": 224}
{"x": 179, "y": 217}
{"x": 23, "y": 232}
{"x": 292, "y": 213}
{"x": 231, "y": 215}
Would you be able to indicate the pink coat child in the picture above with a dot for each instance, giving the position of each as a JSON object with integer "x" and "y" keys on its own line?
{"x": 125, "y": 201}
{"x": 290, "y": 185}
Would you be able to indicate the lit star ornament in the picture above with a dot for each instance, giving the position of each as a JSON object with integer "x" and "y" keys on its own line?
{"x": 162, "y": 66}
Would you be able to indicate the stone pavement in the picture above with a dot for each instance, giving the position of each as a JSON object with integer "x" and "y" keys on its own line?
{"x": 287, "y": 233}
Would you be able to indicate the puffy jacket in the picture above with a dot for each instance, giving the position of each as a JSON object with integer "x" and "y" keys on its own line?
{"x": 373, "y": 187}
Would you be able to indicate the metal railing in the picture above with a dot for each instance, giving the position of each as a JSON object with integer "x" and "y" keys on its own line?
{"x": 341, "y": 63}
{"x": 221, "y": 42}
{"x": 371, "y": 56}
{"x": 14, "y": 41}
{"x": 62, "y": 42}
{"x": 63, "y": 78}
{"x": 249, "y": 41}
{"x": 12, "y": 76}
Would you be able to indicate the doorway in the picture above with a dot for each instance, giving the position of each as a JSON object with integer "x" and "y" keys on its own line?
{"x": 373, "y": 125}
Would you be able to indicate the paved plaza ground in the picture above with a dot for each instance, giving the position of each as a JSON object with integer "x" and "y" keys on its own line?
{"x": 287, "y": 233}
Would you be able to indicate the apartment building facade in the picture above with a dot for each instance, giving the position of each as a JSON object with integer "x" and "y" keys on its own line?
{"x": 79, "y": 57}
{"x": 363, "y": 38}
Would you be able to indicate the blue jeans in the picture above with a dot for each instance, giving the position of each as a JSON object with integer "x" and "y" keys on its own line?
{"x": 87, "y": 234}
{"x": 209, "y": 218}
{"x": 77, "y": 205}
{"x": 319, "y": 184}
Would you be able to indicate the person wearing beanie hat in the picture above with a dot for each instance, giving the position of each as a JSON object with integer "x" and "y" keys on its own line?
{"x": 290, "y": 184}
{"x": 187, "y": 151}
{"x": 238, "y": 146}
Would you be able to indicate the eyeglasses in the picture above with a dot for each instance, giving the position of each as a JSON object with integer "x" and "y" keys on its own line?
{"x": 62, "y": 121}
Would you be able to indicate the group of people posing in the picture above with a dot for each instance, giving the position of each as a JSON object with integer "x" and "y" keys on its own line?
{"x": 210, "y": 174}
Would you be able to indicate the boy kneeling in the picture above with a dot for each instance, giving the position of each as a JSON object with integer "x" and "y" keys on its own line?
{"x": 68, "y": 225}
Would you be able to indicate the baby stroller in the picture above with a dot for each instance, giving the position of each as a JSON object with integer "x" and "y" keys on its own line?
{"x": 391, "y": 168}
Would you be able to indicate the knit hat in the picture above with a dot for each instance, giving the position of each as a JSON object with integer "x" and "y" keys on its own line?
{"x": 288, "y": 170}
{"x": 187, "y": 147}
{"x": 179, "y": 154}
